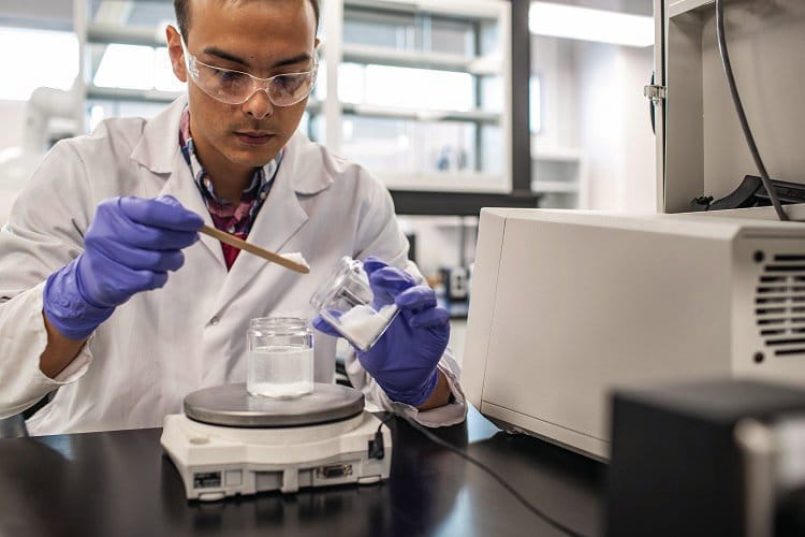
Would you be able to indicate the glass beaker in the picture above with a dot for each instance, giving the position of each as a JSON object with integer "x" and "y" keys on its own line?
{"x": 346, "y": 301}
{"x": 280, "y": 359}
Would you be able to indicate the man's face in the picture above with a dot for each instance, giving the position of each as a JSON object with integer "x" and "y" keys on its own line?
{"x": 258, "y": 37}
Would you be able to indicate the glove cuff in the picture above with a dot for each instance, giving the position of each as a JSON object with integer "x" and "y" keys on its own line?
{"x": 416, "y": 396}
{"x": 65, "y": 307}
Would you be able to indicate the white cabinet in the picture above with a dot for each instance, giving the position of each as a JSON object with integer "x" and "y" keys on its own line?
{"x": 559, "y": 176}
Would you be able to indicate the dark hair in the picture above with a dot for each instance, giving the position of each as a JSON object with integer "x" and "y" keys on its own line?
{"x": 183, "y": 16}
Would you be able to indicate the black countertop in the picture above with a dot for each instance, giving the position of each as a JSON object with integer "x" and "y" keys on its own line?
{"x": 120, "y": 483}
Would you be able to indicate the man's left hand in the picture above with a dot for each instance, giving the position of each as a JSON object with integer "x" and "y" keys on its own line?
{"x": 404, "y": 360}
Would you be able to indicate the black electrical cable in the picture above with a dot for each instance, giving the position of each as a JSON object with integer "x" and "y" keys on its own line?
{"x": 739, "y": 108}
{"x": 463, "y": 454}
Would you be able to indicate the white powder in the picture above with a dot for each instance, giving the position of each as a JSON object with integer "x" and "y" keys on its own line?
{"x": 362, "y": 324}
{"x": 296, "y": 257}
{"x": 280, "y": 371}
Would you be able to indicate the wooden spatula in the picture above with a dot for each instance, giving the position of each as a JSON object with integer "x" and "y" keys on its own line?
{"x": 255, "y": 250}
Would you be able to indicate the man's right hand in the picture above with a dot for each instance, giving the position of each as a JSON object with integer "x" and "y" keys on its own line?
{"x": 129, "y": 247}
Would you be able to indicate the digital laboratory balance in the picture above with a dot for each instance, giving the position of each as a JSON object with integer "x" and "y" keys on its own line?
{"x": 228, "y": 442}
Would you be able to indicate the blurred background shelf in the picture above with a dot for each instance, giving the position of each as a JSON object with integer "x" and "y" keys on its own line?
{"x": 125, "y": 35}
{"x": 479, "y": 116}
{"x": 421, "y": 60}
{"x": 129, "y": 94}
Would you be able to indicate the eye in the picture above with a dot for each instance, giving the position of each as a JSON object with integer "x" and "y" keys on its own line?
{"x": 289, "y": 83}
{"x": 228, "y": 77}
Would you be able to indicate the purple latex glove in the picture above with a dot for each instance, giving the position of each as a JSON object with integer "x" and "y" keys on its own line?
{"x": 129, "y": 247}
{"x": 404, "y": 360}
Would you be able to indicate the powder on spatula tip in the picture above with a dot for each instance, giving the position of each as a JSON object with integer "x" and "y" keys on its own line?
{"x": 296, "y": 257}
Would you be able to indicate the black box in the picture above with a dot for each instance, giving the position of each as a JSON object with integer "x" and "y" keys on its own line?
{"x": 675, "y": 468}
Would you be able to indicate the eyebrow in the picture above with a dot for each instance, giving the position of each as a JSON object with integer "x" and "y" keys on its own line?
{"x": 215, "y": 51}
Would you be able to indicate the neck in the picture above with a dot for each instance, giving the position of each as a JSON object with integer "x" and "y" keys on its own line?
{"x": 229, "y": 182}
{"x": 228, "y": 179}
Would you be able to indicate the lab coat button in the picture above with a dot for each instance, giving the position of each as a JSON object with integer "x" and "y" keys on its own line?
{"x": 215, "y": 320}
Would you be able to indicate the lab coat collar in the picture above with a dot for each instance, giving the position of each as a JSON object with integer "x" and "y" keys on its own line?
{"x": 307, "y": 161}
{"x": 159, "y": 145}
{"x": 180, "y": 185}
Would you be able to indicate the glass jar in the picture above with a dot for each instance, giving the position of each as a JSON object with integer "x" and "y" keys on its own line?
{"x": 280, "y": 359}
{"x": 346, "y": 301}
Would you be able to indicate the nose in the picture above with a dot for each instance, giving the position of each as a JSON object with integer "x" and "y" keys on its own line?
{"x": 259, "y": 105}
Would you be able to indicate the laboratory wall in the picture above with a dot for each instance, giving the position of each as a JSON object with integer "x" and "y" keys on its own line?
{"x": 615, "y": 128}
{"x": 553, "y": 62}
{"x": 594, "y": 130}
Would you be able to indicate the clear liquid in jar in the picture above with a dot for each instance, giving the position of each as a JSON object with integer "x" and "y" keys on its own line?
{"x": 280, "y": 371}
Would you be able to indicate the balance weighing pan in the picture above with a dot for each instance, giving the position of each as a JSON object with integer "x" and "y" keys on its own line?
{"x": 230, "y": 405}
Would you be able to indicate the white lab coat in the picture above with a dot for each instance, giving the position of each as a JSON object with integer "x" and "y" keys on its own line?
{"x": 191, "y": 334}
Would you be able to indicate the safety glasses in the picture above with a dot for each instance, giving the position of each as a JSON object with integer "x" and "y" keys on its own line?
{"x": 236, "y": 87}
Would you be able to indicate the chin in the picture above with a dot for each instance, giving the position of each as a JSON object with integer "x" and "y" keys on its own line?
{"x": 253, "y": 158}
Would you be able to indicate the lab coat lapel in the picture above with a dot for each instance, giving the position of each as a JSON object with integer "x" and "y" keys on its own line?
{"x": 278, "y": 220}
{"x": 158, "y": 151}
{"x": 181, "y": 185}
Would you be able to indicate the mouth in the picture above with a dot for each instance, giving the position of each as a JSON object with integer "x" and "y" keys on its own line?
{"x": 254, "y": 138}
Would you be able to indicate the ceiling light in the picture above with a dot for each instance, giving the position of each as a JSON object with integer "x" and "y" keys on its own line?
{"x": 574, "y": 22}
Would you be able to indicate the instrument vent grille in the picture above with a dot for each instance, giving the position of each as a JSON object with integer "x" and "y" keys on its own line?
{"x": 780, "y": 305}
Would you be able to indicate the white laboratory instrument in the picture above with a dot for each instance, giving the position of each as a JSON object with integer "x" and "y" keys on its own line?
{"x": 49, "y": 114}
{"x": 229, "y": 443}
{"x": 567, "y": 305}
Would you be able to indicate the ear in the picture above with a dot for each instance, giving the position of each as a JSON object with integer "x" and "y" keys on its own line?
{"x": 176, "y": 53}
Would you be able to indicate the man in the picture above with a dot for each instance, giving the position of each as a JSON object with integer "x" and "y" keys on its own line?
{"x": 87, "y": 305}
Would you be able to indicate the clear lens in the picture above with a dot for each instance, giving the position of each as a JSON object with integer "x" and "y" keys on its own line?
{"x": 227, "y": 86}
{"x": 235, "y": 87}
{"x": 285, "y": 90}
